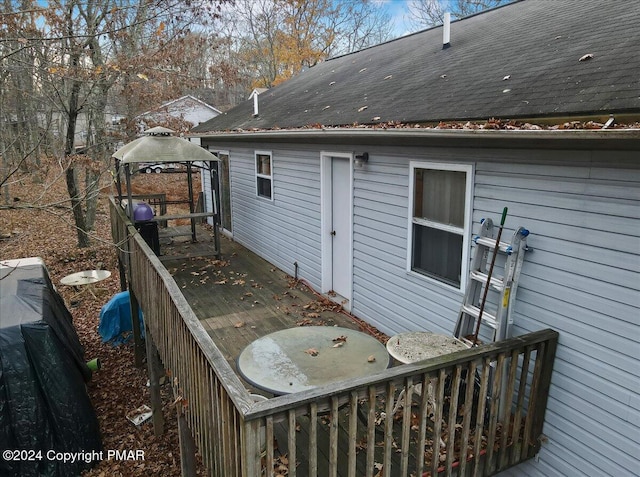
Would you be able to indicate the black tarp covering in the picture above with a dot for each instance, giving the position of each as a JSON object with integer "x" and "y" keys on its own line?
{"x": 44, "y": 404}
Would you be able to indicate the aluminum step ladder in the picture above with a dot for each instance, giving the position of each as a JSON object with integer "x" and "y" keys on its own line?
{"x": 497, "y": 312}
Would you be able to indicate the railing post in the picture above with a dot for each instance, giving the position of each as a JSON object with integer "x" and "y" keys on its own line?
{"x": 250, "y": 448}
{"x": 542, "y": 389}
{"x": 122, "y": 273}
{"x": 156, "y": 372}
{"x": 187, "y": 445}
{"x": 135, "y": 326}
{"x": 118, "y": 230}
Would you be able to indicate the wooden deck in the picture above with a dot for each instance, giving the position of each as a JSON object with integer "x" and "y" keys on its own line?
{"x": 200, "y": 312}
{"x": 242, "y": 297}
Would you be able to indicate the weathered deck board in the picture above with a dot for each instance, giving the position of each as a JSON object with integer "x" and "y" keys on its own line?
{"x": 243, "y": 297}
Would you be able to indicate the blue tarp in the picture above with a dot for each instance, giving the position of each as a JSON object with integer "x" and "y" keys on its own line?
{"x": 115, "y": 320}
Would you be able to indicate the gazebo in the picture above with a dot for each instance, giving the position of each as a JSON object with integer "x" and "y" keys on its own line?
{"x": 159, "y": 145}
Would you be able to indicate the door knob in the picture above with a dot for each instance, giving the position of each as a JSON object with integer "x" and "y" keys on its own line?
{"x": 333, "y": 232}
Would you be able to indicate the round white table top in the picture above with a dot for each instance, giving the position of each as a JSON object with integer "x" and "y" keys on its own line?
{"x": 416, "y": 346}
{"x": 86, "y": 277}
{"x": 297, "y": 359}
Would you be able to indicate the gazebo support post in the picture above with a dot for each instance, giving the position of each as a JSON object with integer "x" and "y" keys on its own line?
{"x": 215, "y": 209}
{"x": 121, "y": 268}
{"x": 117, "y": 179}
{"x": 129, "y": 208}
{"x": 190, "y": 186}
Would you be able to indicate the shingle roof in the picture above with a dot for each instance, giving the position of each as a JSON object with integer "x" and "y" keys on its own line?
{"x": 521, "y": 60}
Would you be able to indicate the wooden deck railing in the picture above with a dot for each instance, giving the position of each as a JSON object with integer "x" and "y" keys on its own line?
{"x": 474, "y": 412}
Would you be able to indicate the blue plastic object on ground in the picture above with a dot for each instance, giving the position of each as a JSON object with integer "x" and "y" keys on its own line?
{"x": 115, "y": 320}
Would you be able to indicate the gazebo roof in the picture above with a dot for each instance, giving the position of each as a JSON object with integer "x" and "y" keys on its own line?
{"x": 159, "y": 145}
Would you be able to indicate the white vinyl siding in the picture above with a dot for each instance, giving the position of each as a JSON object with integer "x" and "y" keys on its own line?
{"x": 285, "y": 230}
{"x": 581, "y": 279}
{"x": 581, "y": 276}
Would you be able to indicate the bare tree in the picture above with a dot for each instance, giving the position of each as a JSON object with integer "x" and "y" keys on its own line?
{"x": 64, "y": 67}
{"x": 275, "y": 39}
{"x": 428, "y": 13}
{"x": 19, "y": 138}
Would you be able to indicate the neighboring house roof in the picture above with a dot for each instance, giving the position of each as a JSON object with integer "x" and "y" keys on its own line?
{"x": 186, "y": 107}
{"x": 529, "y": 59}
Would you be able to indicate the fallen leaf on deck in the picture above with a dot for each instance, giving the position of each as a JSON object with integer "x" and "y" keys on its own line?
{"x": 239, "y": 324}
{"x": 371, "y": 358}
{"x": 338, "y": 345}
{"x": 312, "y": 352}
{"x": 341, "y": 338}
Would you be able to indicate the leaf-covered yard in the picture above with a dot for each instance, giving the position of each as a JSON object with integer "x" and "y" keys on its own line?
{"x": 38, "y": 222}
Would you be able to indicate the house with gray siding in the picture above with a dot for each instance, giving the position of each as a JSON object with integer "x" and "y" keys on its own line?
{"x": 369, "y": 174}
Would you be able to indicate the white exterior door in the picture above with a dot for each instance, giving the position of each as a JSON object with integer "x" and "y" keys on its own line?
{"x": 337, "y": 227}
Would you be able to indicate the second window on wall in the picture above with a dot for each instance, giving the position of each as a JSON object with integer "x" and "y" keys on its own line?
{"x": 264, "y": 175}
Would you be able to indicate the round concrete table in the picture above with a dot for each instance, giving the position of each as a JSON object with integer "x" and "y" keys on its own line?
{"x": 86, "y": 278}
{"x": 297, "y": 359}
{"x": 415, "y": 346}
{"x": 420, "y": 345}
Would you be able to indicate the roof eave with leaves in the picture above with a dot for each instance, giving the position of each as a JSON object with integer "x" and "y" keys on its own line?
{"x": 524, "y": 60}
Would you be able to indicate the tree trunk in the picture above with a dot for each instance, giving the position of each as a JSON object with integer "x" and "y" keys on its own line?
{"x": 71, "y": 173}
{"x": 97, "y": 136}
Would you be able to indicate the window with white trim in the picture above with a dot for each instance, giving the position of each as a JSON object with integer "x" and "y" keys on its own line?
{"x": 264, "y": 175}
{"x": 439, "y": 221}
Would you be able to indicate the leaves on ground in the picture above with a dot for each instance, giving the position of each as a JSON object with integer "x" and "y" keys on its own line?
{"x": 119, "y": 386}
